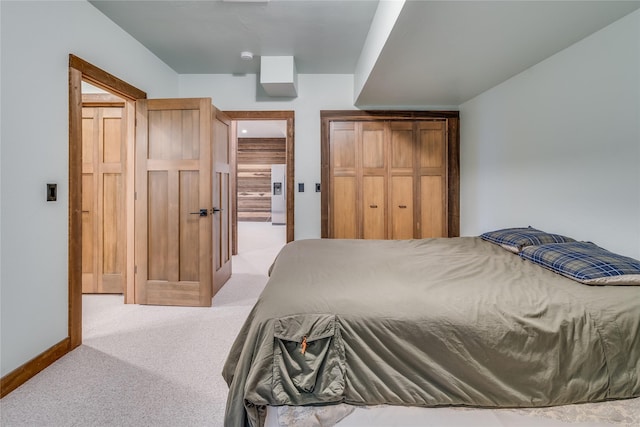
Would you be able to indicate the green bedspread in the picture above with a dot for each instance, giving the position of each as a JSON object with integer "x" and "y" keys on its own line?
{"x": 425, "y": 323}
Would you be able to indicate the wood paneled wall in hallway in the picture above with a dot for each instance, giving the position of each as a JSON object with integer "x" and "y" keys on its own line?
{"x": 255, "y": 157}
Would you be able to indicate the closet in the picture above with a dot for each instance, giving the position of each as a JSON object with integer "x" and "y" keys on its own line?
{"x": 390, "y": 175}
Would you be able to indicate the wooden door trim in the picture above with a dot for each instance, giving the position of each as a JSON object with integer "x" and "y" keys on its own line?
{"x": 289, "y": 116}
{"x": 104, "y": 80}
{"x": 453, "y": 158}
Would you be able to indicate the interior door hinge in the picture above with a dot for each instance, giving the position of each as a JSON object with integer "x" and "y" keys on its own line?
{"x": 135, "y": 195}
{"x": 135, "y": 269}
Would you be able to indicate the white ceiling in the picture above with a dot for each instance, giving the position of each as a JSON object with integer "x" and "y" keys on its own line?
{"x": 439, "y": 53}
{"x": 206, "y": 37}
{"x": 447, "y": 52}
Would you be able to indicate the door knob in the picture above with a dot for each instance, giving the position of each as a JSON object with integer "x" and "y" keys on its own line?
{"x": 201, "y": 212}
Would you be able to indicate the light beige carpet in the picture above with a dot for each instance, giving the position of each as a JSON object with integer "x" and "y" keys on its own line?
{"x": 149, "y": 365}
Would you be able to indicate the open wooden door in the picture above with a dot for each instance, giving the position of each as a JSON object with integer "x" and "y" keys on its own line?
{"x": 222, "y": 219}
{"x": 174, "y": 209}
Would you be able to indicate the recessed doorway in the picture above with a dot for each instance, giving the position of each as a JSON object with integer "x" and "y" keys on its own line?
{"x": 263, "y": 196}
{"x": 261, "y": 184}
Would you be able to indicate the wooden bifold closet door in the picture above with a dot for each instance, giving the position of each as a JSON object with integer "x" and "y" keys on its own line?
{"x": 387, "y": 179}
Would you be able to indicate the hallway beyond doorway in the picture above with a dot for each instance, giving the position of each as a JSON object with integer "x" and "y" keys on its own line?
{"x": 260, "y": 235}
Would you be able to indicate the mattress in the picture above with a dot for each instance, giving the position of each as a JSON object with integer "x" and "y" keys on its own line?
{"x": 432, "y": 322}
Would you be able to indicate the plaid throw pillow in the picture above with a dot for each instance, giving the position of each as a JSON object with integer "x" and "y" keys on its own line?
{"x": 514, "y": 239}
{"x": 585, "y": 263}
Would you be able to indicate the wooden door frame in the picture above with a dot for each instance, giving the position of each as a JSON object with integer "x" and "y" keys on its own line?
{"x": 453, "y": 156}
{"x": 289, "y": 117}
{"x": 80, "y": 70}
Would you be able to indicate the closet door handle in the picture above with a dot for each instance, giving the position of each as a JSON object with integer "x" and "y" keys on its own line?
{"x": 201, "y": 212}
{"x": 402, "y": 206}
{"x": 373, "y": 206}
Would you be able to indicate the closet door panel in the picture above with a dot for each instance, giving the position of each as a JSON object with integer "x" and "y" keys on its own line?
{"x": 345, "y": 224}
{"x": 433, "y": 177}
{"x": 372, "y": 172}
{"x": 402, "y": 221}
{"x": 431, "y": 144}
{"x": 373, "y": 146}
{"x": 343, "y": 146}
{"x": 402, "y": 145}
{"x": 373, "y": 207}
{"x": 343, "y": 221}
{"x": 432, "y": 219}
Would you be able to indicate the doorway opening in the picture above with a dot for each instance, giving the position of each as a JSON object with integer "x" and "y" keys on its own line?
{"x": 106, "y": 149}
{"x": 81, "y": 71}
{"x": 260, "y": 180}
{"x": 263, "y": 196}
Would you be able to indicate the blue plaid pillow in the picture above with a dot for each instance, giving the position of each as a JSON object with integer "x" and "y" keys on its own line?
{"x": 514, "y": 239}
{"x": 586, "y": 263}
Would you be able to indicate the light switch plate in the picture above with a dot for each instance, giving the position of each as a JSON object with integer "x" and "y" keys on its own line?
{"x": 52, "y": 192}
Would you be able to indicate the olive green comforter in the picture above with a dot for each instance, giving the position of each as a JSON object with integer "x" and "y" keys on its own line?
{"x": 429, "y": 322}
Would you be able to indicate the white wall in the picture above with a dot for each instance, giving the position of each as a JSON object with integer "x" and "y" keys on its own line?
{"x": 558, "y": 146}
{"x": 315, "y": 92}
{"x": 383, "y": 22}
{"x": 37, "y": 38}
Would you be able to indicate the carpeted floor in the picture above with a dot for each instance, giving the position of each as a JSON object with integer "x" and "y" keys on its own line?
{"x": 148, "y": 365}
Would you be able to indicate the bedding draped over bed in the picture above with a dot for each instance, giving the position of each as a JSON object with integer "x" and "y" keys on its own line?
{"x": 426, "y": 323}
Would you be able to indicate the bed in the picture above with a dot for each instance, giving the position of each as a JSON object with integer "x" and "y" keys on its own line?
{"x": 432, "y": 322}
